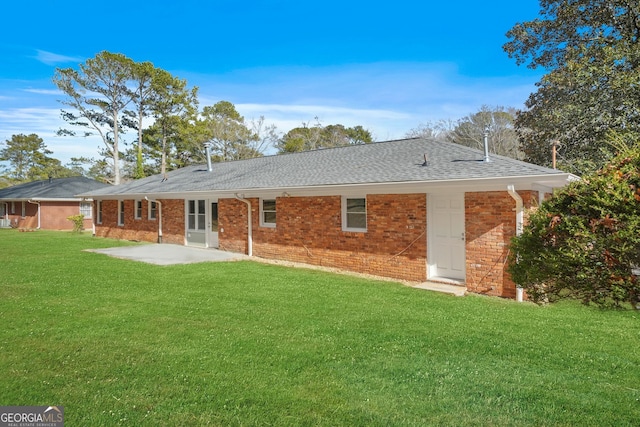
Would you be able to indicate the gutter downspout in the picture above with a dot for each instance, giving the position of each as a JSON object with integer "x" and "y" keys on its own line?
{"x": 519, "y": 226}
{"x": 36, "y": 203}
{"x": 159, "y": 216}
{"x": 249, "y": 228}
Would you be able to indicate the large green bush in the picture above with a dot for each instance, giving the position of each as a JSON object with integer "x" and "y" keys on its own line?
{"x": 584, "y": 242}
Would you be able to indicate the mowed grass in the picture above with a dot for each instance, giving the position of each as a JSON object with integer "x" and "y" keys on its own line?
{"x": 118, "y": 342}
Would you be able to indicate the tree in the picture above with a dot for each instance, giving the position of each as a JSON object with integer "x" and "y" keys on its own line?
{"x": 317, "y": 136}
{"x": 142, "y": 76}
{"x": 228, "y": 133}
{"x": 439, "y": 130}
{"x": 591, "y": 50}
{"x": 23, "y": 152}
{"x": 584, "y": 242}
{"x": 502, "y": 139}
{"x": 172, "y": 106}
{"x": 29, "y": 160}
{"x": 98, "y": 93}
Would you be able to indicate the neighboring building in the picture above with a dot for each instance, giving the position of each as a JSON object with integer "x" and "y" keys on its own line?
{"x": 47, "y": 204}
{"x": 411, "y": 209}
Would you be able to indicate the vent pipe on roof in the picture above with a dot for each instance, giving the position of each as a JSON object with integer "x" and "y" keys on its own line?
{"x": 486, "y": 143}
{"x": 207, "y": 147}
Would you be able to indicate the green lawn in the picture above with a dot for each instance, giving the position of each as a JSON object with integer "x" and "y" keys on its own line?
{"x": 124, "y": 343}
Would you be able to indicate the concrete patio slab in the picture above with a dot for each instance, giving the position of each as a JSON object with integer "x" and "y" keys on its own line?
{"x": 168, "y": 254}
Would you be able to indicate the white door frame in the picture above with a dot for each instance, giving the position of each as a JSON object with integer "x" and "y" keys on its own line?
{"x": 446, "y": 244}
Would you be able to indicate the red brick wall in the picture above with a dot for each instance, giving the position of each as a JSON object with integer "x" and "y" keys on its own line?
{"x": 309, "y": 230}
{"x": 490, "y": 224}
{"x": 142, "y": 229}
{"x": 53, "y": 215}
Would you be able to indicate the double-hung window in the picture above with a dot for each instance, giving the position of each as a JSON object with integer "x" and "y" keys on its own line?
{"x": 354, "y": 214}
{"x": 121, "y": 212}
{"x": 153, "y": 210}
{"x": 138, "y": 213}
{"x": 99, "y": 209}
{"x": 85, "y": 209}
{"x": 267, "y": 212}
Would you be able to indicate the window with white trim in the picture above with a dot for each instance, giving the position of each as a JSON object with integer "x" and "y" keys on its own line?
{"x": 138, "y": 212}
{"x": 99, "y": 218}
{"x": 86, "y": 209}
{"x": 153, "y": 210}
{"x": 354, "y": 214}
{"x": 13, "y": 208}
{"x": 120, "y": 212}
{"x": 267, "y": 212}
{"x": 24, "y": 209}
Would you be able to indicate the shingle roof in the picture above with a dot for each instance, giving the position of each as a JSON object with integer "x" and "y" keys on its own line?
{"x": 57, "y": 188}
{"x": 382, "y": 162}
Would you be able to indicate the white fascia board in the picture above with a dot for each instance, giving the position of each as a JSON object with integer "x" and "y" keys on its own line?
{"x": 529, "y": 182}
{"x": 42, "y": 199}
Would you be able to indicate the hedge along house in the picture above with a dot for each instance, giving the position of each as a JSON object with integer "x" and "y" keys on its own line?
{"x": 47, "y": 204}
{"x": 412, "y": 209}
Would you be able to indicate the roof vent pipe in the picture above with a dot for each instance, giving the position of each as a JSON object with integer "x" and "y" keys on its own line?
{"x": 486, "y": 143}
{"x": 207, "y": 147}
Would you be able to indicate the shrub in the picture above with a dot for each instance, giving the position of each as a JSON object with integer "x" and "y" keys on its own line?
{"x": 78, "y": 222}
{"x": 584, "y": 243}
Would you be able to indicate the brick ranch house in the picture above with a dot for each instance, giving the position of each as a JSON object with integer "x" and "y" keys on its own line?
{"x": 412, "y": 209}
{"x": 46, "y": 204}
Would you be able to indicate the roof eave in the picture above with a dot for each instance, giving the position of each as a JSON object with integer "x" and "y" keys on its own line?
{"x": 527, "y": 182}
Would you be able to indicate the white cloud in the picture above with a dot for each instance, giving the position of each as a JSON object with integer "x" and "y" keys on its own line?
{"x": 44, "y": 91}
{"x": 51, "y": 58}
{"x": 389, "y": 99}
{"x": 45, "y": 122}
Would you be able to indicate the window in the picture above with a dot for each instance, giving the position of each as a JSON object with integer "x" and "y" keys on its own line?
{"x": 267, "y": 212}
{"x": 121, "y": 212}
{"x": 354, "y": 214}
{"x": 196, "y": 215}
{"x": 99, "y": 219}
{"x": 86, "y": 209}
{"x": 13, "y": 208}
{"x": 138, "y": 214}
{"x": 153, "y": 210}
{"x": 24, "y": 210}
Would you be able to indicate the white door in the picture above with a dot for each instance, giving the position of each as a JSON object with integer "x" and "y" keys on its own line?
{"x": 196, "y": 216}
{"x": 446, "y": 244}
{"x": 213, "y": 224}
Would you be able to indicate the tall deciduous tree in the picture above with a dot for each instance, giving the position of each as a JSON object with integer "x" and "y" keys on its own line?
{"x": 226, "y": 129}
{"x": 98, "y": 94}
{"x": 317, "y": 136}
{"x": 591, "y": 50}
{"x": 498, "y": 122}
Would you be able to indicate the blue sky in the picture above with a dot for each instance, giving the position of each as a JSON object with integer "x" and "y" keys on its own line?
{"x": 386, "y": 66}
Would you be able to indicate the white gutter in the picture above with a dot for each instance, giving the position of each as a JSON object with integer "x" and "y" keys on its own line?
{"x": 519, "y": 227}
{"x": 36, "y": 203}
{"x": 159, "y": 216}
{"x": 249, "y": 228}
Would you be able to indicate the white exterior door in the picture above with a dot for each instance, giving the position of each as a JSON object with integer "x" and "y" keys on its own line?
{"x": 446, "y": 243}
{"x": 196, "y": 227}
{"x": 202, "y": 222}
